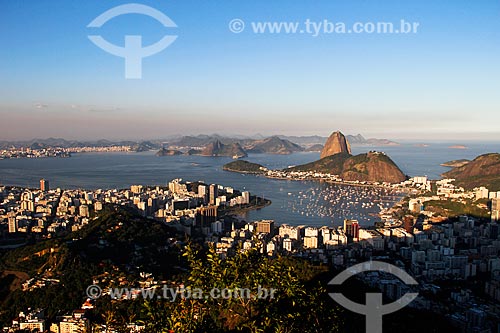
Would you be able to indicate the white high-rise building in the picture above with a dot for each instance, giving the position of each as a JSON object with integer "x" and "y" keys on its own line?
{"x": 495, "y": 210}
{"x": 246, "y": 197}
{"x": 482, "y": 193}
{"x": 291, "y": 231}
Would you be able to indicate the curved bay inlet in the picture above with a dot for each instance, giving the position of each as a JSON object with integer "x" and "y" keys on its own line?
{"x": 293, "y": 202}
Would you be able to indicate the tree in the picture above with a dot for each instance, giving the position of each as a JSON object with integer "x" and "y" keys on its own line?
{"x": 288, "y": 304}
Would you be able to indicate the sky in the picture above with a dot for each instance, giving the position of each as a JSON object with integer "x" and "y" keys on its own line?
{"x": 439, "y": 83}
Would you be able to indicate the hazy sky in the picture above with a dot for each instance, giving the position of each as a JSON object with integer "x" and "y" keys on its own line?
{"x": 443, "y": 82}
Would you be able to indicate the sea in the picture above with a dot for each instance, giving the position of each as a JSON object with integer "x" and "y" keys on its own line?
{"x": 293, "y": 202}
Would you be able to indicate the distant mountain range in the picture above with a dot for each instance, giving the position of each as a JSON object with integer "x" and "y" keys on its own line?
{"x": 217, "y": 148}
{"x": 277, "y": 144}
{"x": 273, "y": 145}
{"x": 221, "y": 146}
{"x": 63, "y": 143}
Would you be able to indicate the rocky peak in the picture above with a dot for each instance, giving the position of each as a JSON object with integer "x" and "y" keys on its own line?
{"x": 336, "y": 143}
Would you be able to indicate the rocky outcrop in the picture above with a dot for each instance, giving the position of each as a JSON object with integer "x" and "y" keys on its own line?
{"x": 371, "y": 167}
{"x": 217, "y": 148}
{"x": 336, "y": 144}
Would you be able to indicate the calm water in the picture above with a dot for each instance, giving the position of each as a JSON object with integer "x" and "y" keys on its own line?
{"x": 290, "y": 198}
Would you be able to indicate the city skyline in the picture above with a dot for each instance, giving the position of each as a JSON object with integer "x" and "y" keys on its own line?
{"x": 435, "y": 84}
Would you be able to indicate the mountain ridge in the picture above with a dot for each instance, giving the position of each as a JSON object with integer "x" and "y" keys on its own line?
{"x": 484, "y": 170}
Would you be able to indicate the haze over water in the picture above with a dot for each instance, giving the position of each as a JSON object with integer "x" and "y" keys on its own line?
{"x": 294, "y": 202}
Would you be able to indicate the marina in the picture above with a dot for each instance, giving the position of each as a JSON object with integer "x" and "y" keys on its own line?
{"x": 338, "y": 202}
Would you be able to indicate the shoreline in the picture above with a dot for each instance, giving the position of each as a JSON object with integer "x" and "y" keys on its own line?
{"x": 244, "y": 172}
{"x": 241, "y": 210}
{"x": 345, "y": 183}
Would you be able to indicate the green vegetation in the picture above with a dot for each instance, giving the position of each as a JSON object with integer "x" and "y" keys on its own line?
{"x": 297, "y": 306}
{"x": 484, "y": 170}
{"x": 119, "y": 242}
{"x": 244, "y": 167}
{"x": 333, "y": 164}
{"x": 455, "y": 163}
{"x": 452, "y": 209}
{"x": 372, "y": 166}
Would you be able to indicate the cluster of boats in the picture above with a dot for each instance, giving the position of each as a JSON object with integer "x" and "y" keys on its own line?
{"x": 339, "y": 202}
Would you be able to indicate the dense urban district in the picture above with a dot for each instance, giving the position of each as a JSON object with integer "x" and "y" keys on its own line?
{"x": 128, "y": 244}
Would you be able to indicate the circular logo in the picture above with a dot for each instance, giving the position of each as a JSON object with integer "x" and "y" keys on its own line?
{"x": 94, "y": 291}
{"x": 236, "y": 26}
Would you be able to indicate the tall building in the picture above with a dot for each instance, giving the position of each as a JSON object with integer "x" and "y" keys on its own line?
{"x": 291, "y": 232}
{"x": 28, "y": 201}
{"x": 351, "y": 229}
{"x": 213, "y": 191}
{"x": 44, "y": 185}
{"x": 310, "y": 242}
{"x": 287, "y": 244}
{"x": 482, "y": 193}
{"x": 265, "y": 226}
{"x": 12, "y": 222}
{"x": 176, "y": 186}
{"x": 98, "y": 206}
{"x": 495, "y": 210}
{"x": 245, "y": 195}
{"x": 83, "y": 210}
{"x": 205, "y": 216}
{"x": 203, "y": 193}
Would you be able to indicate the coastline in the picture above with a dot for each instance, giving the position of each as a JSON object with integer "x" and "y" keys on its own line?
{"x": 233, "y": 211}
{"x": 337, "y": 182}
{"x": 244, "y": 172}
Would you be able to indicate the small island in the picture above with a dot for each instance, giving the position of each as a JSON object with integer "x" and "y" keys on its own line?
{"x": 315, "y": 148}
{"x": 242, "y": 166}
{"x": 457, "y": 147}
{"x": 168, "y": 152}
{"x": 455, "y": 163}
{"x": 192, "y": 151}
